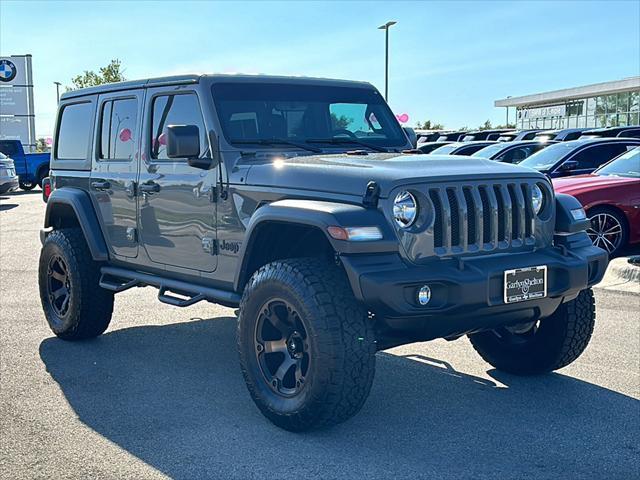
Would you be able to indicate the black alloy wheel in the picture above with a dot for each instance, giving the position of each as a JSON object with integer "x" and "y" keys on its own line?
{"x": 58, "y": 285}
{"x": 282, "y": 349}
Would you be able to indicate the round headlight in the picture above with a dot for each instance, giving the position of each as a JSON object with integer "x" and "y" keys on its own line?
{"x": 537, "y": 199}
{"x": 405, "y": 209}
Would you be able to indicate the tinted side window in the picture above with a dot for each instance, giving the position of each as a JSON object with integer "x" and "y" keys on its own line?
{"x": 74, "y": 132}
{"x": 469, "y": 149}
{"x": 595, "y": 156}
{"x": 119, "y": 129}
{"x": 174, "y": 110}
{"x": 8, "y": 148}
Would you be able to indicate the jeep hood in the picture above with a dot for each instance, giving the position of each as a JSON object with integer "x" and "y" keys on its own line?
{"x": 350, "y": 174}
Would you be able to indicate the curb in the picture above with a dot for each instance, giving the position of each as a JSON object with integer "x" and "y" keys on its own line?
{"x": 621, "y": 275}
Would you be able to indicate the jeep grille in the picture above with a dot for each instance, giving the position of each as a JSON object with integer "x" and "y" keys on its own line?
{"x": 483, "y": 216}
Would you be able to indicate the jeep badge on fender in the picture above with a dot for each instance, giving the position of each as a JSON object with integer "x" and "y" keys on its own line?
{"x": 330, "y": 235}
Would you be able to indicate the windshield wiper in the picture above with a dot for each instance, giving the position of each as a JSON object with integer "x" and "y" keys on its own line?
{"x": 341, "y": 141}
{"x": 278, "y": 141}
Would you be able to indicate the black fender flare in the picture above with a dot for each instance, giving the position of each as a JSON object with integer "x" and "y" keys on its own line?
{"x": 320, "y": 215}
{"x": 82, "y": 207}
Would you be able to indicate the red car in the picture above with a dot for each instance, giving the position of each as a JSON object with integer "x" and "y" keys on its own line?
{"x": 611, "y": 198}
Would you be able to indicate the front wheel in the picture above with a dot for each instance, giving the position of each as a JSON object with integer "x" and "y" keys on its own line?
{"x": 542, "y": 346}
{"x": 307, "y": 349}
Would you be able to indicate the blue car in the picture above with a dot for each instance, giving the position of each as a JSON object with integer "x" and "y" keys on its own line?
{"x": 578, "y": 157}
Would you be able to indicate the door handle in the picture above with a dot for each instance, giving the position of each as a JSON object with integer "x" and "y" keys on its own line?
{"x": 149, "y": 187}
{"x": 101, "y": 185}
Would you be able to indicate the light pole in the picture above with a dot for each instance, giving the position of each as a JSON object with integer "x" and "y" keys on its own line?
{"x": 57, "y": 84}
{"x": 385, "y": 27}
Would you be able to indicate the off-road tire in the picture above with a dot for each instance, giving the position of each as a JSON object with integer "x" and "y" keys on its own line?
{"x": 27, "y": 186}
{"x": 340, "y": 337}
{"x": 89, "y": 307}
{"x": 559, "y": 340}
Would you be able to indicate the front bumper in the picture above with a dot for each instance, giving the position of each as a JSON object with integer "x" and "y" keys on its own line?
{"x": 468, "y": 293}
{"x": 8, "y": 184}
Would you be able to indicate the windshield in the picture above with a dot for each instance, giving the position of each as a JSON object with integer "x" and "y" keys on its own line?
{"x": 626, "y": 165}
{"x": 548, "y": 157}
{"x": 446, "y": 149}
{"x": 490, "y": 151}
{"x": 262, "y": 112}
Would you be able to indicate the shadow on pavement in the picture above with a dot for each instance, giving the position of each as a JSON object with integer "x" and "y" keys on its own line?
{"x": 7, "y": 206}
{"x": 174, "y": 397}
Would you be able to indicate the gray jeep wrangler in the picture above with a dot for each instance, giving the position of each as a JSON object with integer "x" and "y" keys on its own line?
{"x": 298, "y": 201}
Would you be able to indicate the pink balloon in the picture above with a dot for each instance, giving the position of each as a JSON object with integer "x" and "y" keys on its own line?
{"x": 48, "y": 141}
{"x": 403, "y": 118}
{"x": 162, "y": 139}
{"x": 125, "y": 135}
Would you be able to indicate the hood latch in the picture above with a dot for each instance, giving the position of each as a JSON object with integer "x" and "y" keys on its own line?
{"x": 371, "y": 195}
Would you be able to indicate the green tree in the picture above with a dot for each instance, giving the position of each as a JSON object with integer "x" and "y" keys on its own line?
{"x": 109, "y": 74}
{"x": 427, "y": 125}
{"x": 41, "y": 145}
{"x": 485, "y": 126}
{"x": 340, "y": 122}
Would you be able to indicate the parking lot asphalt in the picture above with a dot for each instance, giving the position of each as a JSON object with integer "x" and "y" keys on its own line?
{"x": 160, "y": 395}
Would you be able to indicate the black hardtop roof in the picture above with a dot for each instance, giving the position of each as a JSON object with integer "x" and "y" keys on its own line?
{"x": 213, "y": 78}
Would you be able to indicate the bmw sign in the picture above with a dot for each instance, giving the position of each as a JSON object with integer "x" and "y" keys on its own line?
{"x": 8, "y": 70}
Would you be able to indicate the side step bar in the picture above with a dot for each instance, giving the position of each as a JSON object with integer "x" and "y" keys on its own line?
{"x": 184, "y": 294}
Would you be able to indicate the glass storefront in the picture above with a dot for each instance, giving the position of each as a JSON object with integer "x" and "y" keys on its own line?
{"x": 616, "y": 110}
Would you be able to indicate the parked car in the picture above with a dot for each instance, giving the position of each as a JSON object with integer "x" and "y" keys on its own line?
{"x": 451, "y": 136}
{"x": 577, "y": 157}
{"x": 425, "y": 136}
{"x": 511, "y": 152}
{"x": 627, "y": 132}
{"x": 429, "y": 147}
{"x": 563, "y": 135}
{"x": 483, "y": 135}
{"x": 331, "y": 241}
{"x": 611, "y": 198}
{"x": 30, "y": 167}
{"x": 517, "y": 135}
{"x": 462, "y": 148}
{"x": 8, "y": 177}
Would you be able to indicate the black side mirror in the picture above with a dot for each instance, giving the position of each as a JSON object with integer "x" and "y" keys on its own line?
{"x": 183, "y": 141}
{"x": 568, "y": 166}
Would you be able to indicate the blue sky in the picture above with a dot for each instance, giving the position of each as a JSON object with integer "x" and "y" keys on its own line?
{"x": 449, "y": 60}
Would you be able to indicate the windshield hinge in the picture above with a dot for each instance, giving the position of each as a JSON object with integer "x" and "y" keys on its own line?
{"x": 371, "y": 194}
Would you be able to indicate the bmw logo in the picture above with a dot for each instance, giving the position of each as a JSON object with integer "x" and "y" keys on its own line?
{"x": 8, "y": 71}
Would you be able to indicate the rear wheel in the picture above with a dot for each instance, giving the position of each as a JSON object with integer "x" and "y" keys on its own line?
{"x": 306, "y": 347}
{"x": 541, "y": 346}
{"x": 608, "y": 230}
{"x": 75, "y": 306}
{"x": 26, "y": 186}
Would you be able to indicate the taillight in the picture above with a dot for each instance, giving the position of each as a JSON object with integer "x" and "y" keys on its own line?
{"x": 46, "y": 189}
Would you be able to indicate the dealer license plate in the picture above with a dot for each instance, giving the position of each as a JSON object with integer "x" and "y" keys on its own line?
{"x": 523, "y": 284}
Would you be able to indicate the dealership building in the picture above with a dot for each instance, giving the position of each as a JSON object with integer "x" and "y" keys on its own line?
{"x": 607, "y": 104}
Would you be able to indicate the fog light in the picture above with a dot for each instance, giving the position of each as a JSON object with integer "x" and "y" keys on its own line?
{"x": 424, "y": 295}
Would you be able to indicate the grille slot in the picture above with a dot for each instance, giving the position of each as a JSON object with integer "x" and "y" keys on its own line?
{"x": 455, "y": 217}
{"x": 437, "y": 224}
{"x": 502, "y": 219}
{"x": 471, "y": 218}
{"x": 486, "y": 215}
